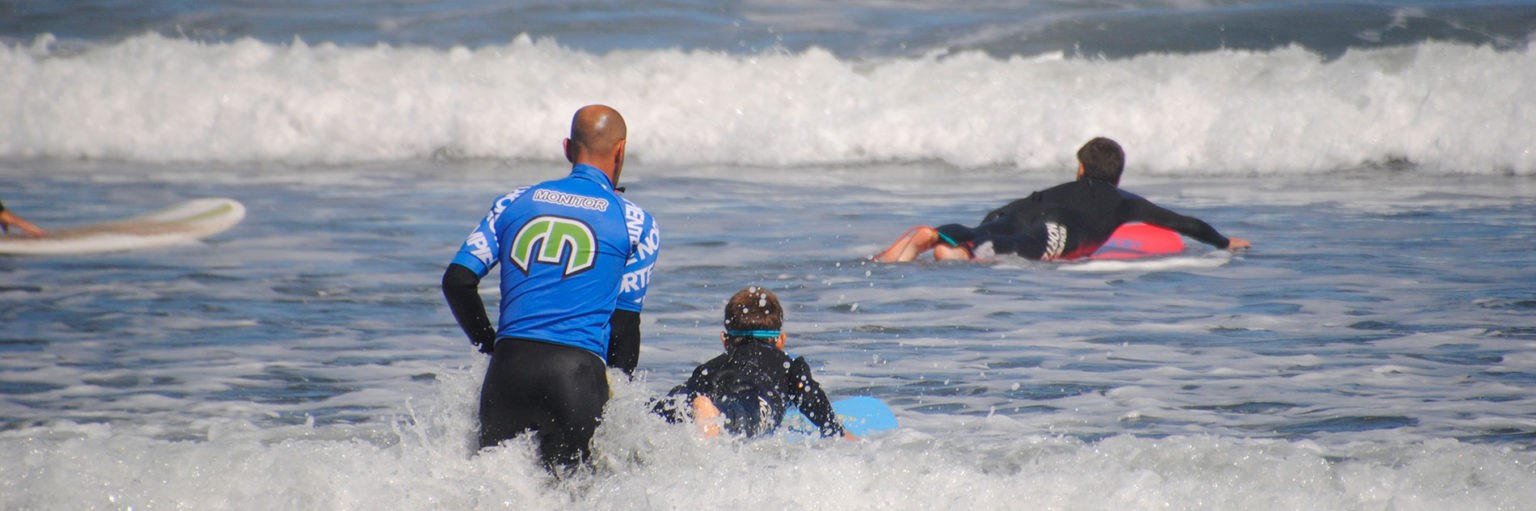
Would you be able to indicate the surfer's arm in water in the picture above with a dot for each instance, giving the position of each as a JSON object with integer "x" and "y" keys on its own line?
{"x": 1136, "y": 209}
{"x": 807, "y": 395}
{"x": 461, "y": 286}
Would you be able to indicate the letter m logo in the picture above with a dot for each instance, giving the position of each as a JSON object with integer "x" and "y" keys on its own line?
{"x": 545, "y": 239}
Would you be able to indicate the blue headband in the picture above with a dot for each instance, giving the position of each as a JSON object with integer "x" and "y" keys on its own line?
{"x": 761, "y": 334}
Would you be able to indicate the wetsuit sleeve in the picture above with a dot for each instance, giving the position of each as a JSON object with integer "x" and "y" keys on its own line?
{"x": 676, "y": 406}
{"x": 462, "y": 289}
{"x": 807, "y": 395}
{"x": 479, "y": 250}
{"x": 461, "y": 281}
{"x": 1137, "y": 209}
{"x": 624, "y": 340}
{"x": 644, "y": 248}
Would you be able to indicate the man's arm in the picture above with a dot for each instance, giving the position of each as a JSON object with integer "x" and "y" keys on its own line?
{"x": 624, "y": 341}
{"x": 461, "y": 286}
{"x": 645, "y": 247}
{"x": 1142, "y": 210}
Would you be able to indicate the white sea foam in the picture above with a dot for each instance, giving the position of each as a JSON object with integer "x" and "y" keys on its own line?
{"x": 1449, "y": 108}
{"x": 420, "y": 461}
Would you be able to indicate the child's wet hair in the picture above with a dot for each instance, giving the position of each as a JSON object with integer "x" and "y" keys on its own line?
{"x": 753, "y": 309}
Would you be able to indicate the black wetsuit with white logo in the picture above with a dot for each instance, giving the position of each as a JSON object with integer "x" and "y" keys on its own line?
{"x": 1071, "y": 220}
{"x": 751, "y": 384}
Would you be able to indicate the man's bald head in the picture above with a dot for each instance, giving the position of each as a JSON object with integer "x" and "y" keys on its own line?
{"x": 597, "y": 139}
{"x": 597, "y": 128}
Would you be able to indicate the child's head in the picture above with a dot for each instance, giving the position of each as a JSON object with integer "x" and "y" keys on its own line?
{"x": 753, "y": 315}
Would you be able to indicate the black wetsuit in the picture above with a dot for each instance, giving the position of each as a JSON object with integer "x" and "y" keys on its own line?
{"x": 751, "y": 384}
{"x": 1071, "y": 220}
{"x": 553, "y": 389}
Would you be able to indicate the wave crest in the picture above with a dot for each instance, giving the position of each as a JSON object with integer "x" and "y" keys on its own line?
{"x": 1443, "y": 107}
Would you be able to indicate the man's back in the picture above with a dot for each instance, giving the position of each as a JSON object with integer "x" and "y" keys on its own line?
{"x": 562, "y": 246}
{"x": 1088, "y": 208}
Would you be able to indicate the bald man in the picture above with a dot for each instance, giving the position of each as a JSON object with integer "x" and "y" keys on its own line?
{"x": 576, "y": 260}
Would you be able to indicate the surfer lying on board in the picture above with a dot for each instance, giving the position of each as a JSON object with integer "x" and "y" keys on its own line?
{"x": 9, "y": 220}
{"x": 1068, "y": 221}
{"x": 745, "y": 391}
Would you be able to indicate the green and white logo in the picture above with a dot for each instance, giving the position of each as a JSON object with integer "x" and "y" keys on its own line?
{"x": 550, "y": 236}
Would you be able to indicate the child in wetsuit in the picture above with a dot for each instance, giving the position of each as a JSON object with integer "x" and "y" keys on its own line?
{"x": 745, "y": 390}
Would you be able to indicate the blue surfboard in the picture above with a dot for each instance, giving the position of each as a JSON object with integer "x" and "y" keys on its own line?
{"x": 862, "y": 416}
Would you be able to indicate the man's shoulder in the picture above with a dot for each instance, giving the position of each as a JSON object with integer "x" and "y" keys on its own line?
{"x": 1128, "y": 195}
{"x": 1030, "y": 201}
{"x": 1069, "y": 187}
{"x": 1082, "y": 190}
{"x": 630, "y": 205}
{"x": 514, "y": 194}
{"x": 637, "y": 219}
{"x": 1048, "y": 194}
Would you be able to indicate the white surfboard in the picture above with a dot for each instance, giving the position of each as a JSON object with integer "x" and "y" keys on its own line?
{"x": 182, "y": 223}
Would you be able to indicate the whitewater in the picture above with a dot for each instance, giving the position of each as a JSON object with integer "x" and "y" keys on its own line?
{"x": 1447, "y": 107}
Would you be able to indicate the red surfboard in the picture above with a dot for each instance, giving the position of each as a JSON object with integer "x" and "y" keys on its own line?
{"x": 1138, "y": 240}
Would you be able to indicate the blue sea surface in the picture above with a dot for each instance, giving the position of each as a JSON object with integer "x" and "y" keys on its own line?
{"x": 855, "y": 29}
{"x": 1376, "y": 349}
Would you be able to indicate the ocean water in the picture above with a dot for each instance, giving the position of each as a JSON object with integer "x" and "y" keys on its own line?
{"x": 1375, "y": 350}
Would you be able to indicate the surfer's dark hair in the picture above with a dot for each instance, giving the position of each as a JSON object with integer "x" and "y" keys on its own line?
{"x": 752, "y": 313}
{"x": 1102, "y": 159}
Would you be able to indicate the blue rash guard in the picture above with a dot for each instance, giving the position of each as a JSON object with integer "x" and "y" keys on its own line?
{"x": 571, "y": 250}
